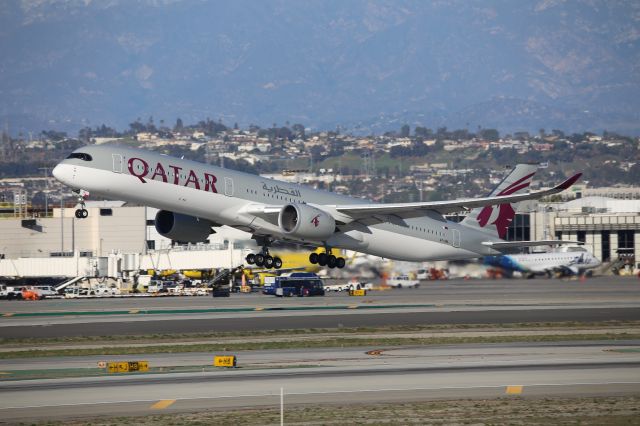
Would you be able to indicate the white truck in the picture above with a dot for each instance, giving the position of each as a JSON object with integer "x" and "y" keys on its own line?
{"x": 403, "y": 281}
{"x": 351, "y": 285}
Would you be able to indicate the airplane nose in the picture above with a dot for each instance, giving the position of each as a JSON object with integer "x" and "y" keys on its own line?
{"x": 62, "y": 172}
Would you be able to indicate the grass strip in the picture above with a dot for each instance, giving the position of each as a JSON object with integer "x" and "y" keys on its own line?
{"x": 171, "y": 337}
{"x": 323, "y": 342}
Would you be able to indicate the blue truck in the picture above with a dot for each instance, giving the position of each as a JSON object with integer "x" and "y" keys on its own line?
{"x": 295, "y": 284}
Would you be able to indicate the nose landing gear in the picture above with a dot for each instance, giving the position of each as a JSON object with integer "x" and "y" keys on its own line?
{"x": 82, "y": 212}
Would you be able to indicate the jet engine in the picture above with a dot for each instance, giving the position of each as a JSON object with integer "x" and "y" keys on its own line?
{"x": 305, "y": 222}
{"x": 182, "y": 228}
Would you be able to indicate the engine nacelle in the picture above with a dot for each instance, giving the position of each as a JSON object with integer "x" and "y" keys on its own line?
{"x": 182, "y": 228}
{"x": 305, "y": 222}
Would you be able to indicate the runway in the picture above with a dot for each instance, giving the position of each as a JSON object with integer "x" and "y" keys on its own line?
{"x": 350, "y": 375}
{"x": 439, "y": 302}
{"x": 353, "y": 375}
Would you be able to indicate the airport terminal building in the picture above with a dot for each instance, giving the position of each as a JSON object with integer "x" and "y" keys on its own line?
{"x": 609, "y": 227}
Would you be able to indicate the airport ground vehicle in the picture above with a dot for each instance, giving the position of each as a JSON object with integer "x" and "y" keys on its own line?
{"x": 3, "y": 291}
{"x": 351, "y": 285}
{"x": 45, "y": 291}
{"x": 295, "y": 284}
{"x": 403, "y": 281}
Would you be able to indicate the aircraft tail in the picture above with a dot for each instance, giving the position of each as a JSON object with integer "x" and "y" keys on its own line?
{"x": 495, "y": 220}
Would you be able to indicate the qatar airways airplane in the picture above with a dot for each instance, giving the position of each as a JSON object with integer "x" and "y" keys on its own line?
{"x": 195, "y": 198}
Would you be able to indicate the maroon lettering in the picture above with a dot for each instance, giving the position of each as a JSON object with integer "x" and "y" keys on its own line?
{"x": 137, "y": 173}
{"x": 210, "y": 181}
{"x": 176, "y": 174}
{"x": 193, "y": 179}
{"x": 160, "y": 172}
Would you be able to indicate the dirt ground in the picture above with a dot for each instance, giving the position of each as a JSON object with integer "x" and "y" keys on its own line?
{"x": 508, "y": 410}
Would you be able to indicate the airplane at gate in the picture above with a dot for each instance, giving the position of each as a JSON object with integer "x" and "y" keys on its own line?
{"x": 195, "y": 198}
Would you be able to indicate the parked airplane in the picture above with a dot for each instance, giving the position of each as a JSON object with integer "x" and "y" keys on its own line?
{"x": 568, "y": 260}
{"x": 195, "y": 197}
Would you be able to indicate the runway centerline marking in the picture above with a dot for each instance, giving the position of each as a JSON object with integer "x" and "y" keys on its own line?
{"x": 162, "y": 404}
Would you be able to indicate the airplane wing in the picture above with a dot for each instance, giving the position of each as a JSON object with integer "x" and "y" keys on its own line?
{"x": 408, "y": 210}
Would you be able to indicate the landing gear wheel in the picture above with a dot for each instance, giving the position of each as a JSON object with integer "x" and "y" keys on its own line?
{"x": 322, "y": 259}
{"x": 313, "y": 258}
{"x": 331, "y": 261}
{"x": 277, "y": 262}
{"x": 340, "y": 262}
{"x": 78, "y": 213}
{"x": 85, "y": 213}
{"x": 251, "y": 258}
{"x": 268, "y": 261}
{"x": 259, "y": 259}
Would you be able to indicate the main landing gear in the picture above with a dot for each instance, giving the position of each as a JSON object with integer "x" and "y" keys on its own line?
{"x": 325, "y": 259}
{"x": 264, "y": 259}
{"x": 82, "y": 212}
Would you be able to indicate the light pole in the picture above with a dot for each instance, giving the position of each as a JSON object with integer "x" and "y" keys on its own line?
{"x": 46, "y": 192}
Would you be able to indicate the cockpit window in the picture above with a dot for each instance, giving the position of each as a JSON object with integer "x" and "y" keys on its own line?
{"x": 81, "y": 156}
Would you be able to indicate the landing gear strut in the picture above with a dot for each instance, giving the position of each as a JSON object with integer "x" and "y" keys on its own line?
{"x": 264, "y": 259}
{"x": 82, "y": 212}
{"x": 326, "y": 259}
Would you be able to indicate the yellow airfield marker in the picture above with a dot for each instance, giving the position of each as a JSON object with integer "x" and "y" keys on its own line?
{"x": 162, "y": 404}
{"x": 514, "y": 390}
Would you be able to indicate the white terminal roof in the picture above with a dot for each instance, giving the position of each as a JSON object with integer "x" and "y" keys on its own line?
{"x": 602, "y": 205}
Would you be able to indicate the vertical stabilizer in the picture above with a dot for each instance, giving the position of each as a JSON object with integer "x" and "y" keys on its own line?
{"x": 495, "y": 220}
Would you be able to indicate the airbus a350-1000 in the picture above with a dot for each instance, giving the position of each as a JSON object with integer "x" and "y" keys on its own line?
{"x": 195, "y": 198}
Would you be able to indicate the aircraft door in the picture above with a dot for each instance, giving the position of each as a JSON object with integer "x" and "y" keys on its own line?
{"x": 228, "y": 187}
{"x": 455, "y": 238}
{"x": 117, "y": 163}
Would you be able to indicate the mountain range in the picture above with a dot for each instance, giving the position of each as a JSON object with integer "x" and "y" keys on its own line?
{"x": 365, "y": 66}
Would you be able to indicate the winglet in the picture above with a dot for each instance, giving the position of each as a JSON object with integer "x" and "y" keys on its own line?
{"x": 567, "y": 183}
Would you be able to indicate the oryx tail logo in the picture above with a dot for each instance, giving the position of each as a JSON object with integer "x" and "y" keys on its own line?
{"x": 501, "y": 215}
{"x": 316, "y": 221}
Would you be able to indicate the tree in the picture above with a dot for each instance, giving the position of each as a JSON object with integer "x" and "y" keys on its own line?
{"x": 490, "y": 134}
{"x": 405, "y": 131}
{"x": 179, "y": 127}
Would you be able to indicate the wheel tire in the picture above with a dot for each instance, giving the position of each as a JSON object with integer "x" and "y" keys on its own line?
{"x": 400, "y": 286}
{"x": 78, "y": 214}
{"x": 331, "y": 261}
{"x": 259, "y": 259}
{"x": 322, "y": 259}
{"x": 251, "y": 258}
{"x": 85, "y": 213}
{"x": 277, "y": 262}
{"x": 313, "y": 258}
{"x": 268, "y": 261}
{"x": 340, "y": 262}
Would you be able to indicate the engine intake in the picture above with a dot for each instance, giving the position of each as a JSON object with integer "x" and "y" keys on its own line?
{"x": 182, "y": 228}
{"x": 306, "y": 223}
